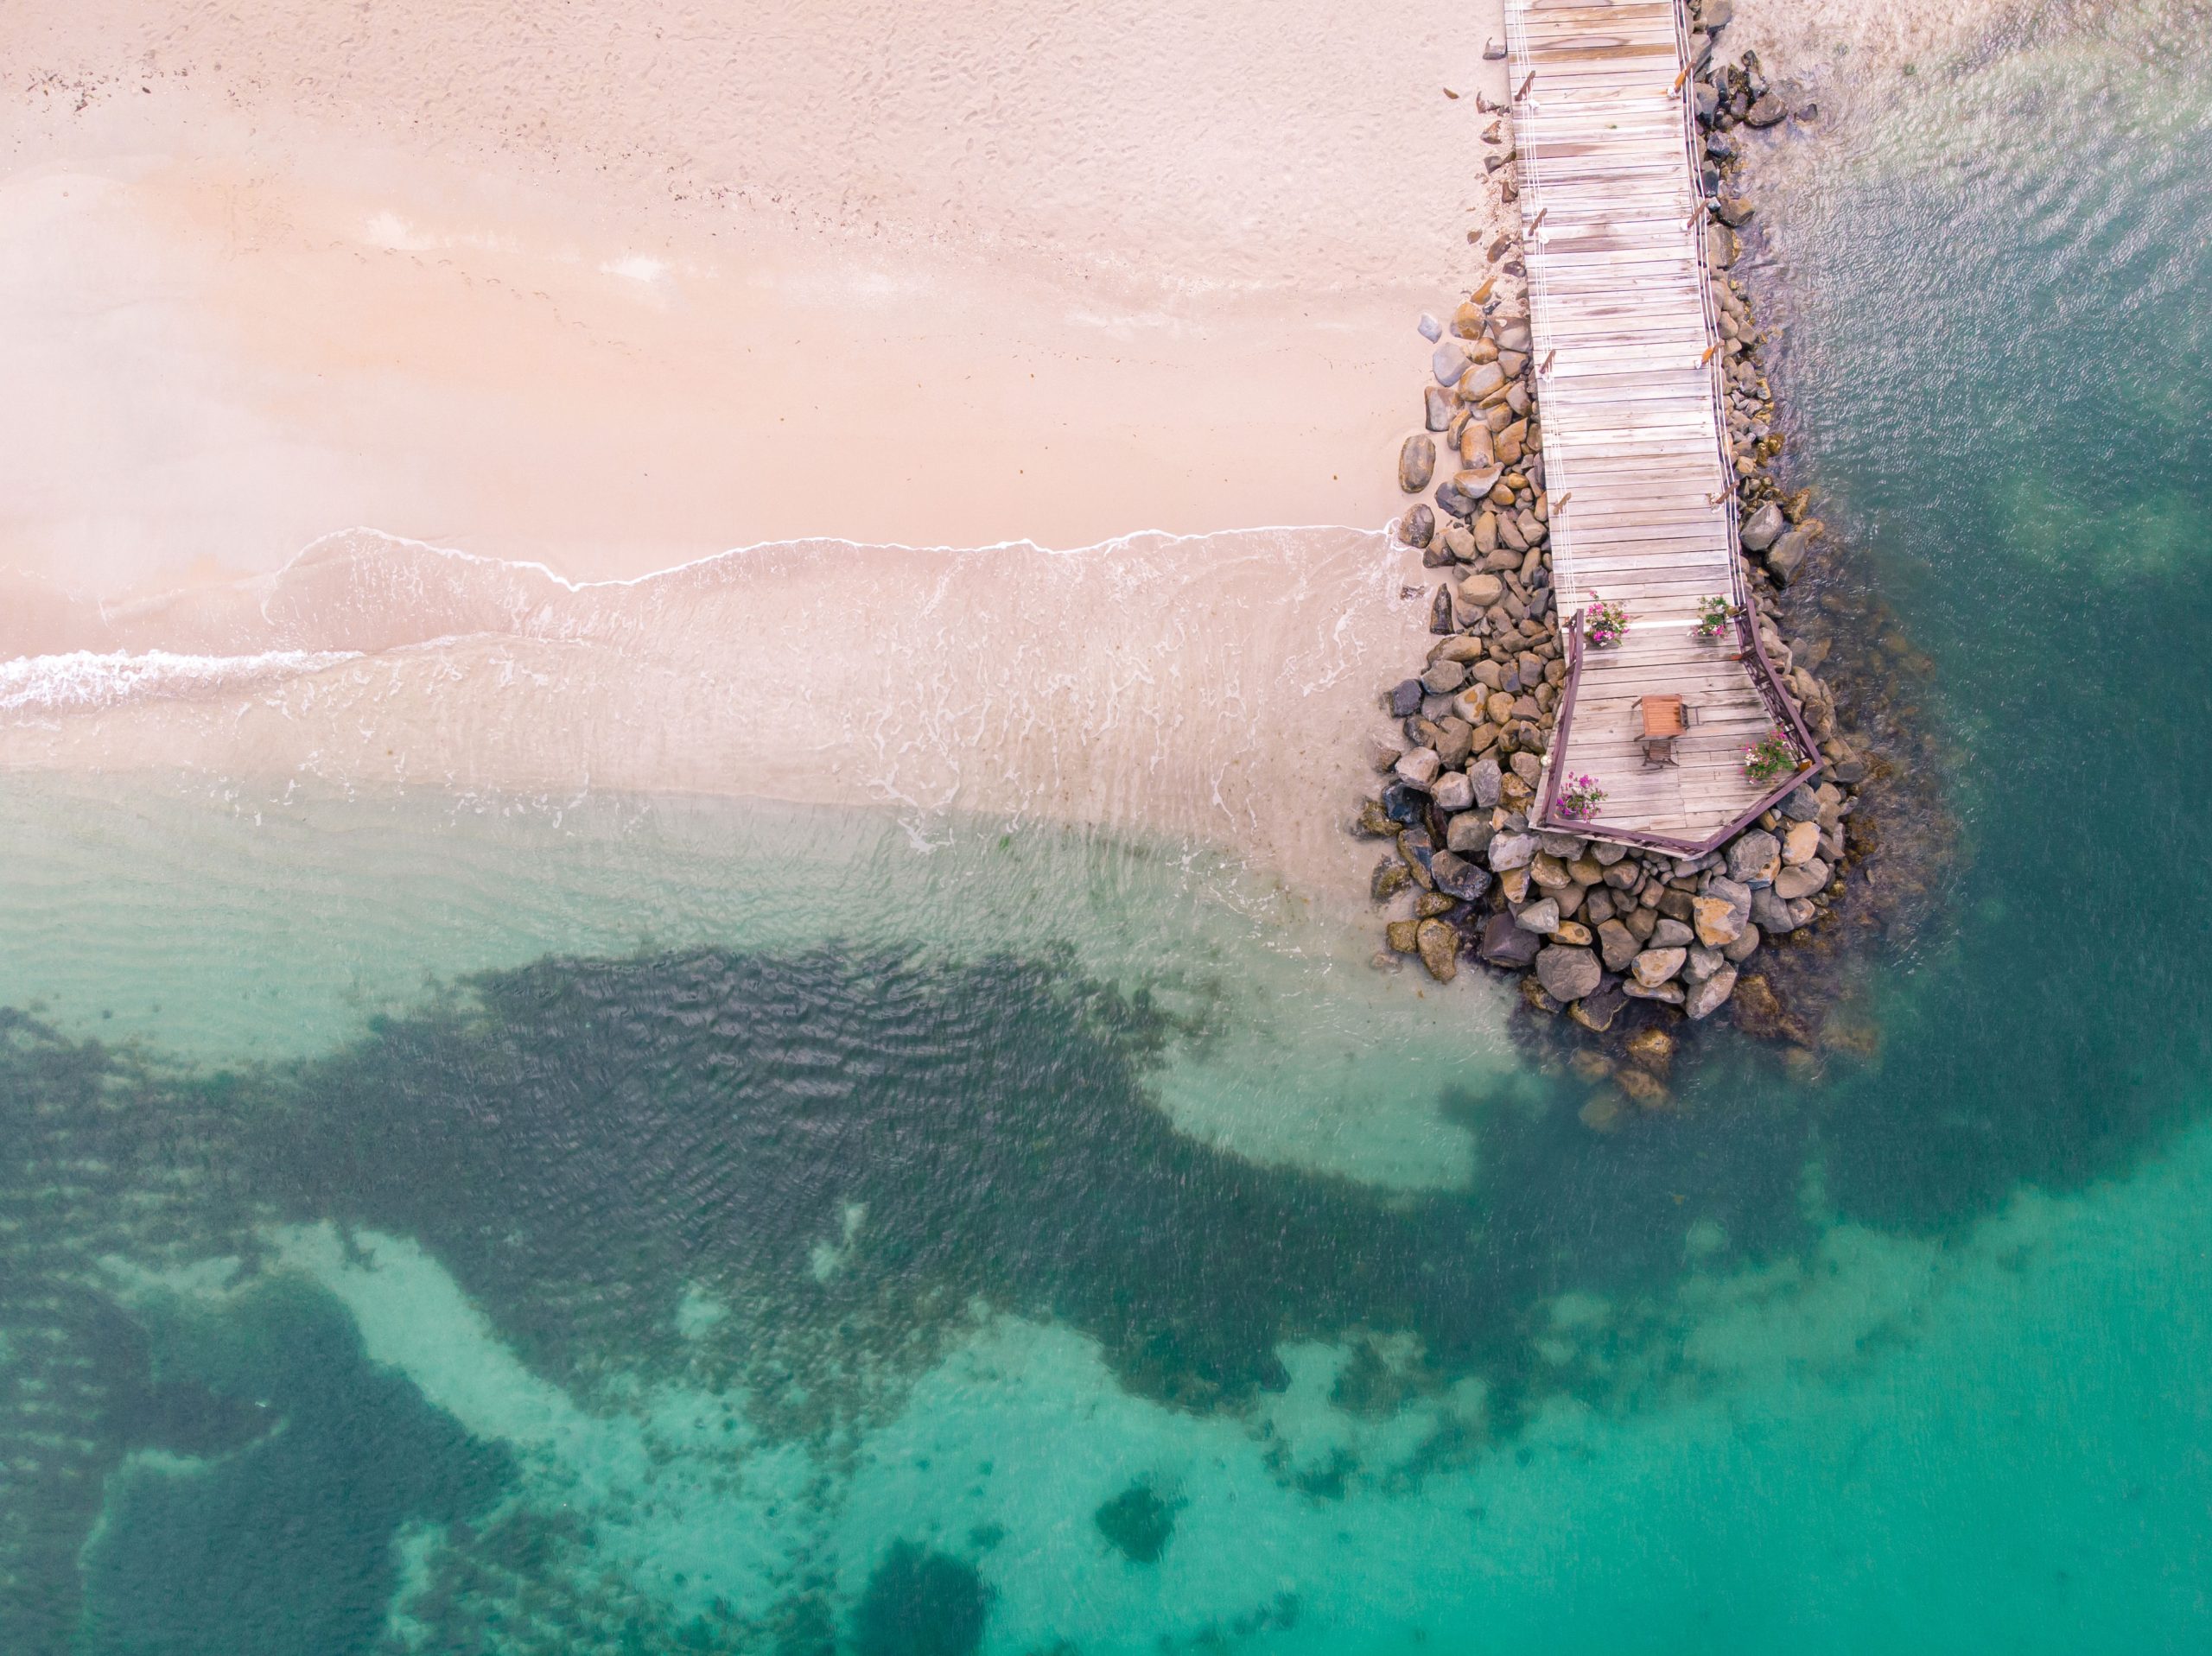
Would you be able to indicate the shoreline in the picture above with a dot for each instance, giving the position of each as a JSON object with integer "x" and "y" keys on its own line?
{"x": 1629, "y": 943}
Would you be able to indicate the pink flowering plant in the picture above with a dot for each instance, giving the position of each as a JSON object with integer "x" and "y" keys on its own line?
{"x": 1774, "y": 756}
{"x": 1713, "y": 615}
{"x": 1579, "y": 797}
{"x": 1605, "y": 622}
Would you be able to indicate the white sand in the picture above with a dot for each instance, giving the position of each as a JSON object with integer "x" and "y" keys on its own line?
{"x": 621, "y": 285}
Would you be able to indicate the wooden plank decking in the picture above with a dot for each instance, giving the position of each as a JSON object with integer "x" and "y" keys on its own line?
{"x": 1641, "y": 492}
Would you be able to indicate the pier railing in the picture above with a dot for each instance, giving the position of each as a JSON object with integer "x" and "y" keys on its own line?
{"x": 1781, "y": 705}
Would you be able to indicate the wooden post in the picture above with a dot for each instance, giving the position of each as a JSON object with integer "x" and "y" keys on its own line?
{"x": 1548, "y": 355}
{"x": 1679, "y": 79}
{"x": 1709, "y": 350}
{"x": 1537, "y": 223}
{"x": 1696, "y": 213}
{"x": 1525, "y": 85}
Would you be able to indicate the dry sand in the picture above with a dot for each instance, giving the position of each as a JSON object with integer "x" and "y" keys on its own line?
{"x": 616, "y": 286}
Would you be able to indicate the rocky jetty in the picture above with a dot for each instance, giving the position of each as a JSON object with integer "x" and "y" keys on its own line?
{"x": 1622, "y": 942}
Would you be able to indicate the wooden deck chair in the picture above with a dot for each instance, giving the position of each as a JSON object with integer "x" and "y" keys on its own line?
{"x": 1665, "y": 718}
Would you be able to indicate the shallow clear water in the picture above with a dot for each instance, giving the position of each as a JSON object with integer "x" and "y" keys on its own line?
{"x": 440, "y": 1223}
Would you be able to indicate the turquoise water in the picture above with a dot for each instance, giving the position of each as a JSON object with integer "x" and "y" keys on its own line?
{"x": 432, "y": 1224}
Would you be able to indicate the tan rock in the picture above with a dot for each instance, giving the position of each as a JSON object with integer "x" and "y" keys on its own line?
{"x": 1645, "y": 1088}
{"x": 1514, "y": 882}
{"x": 1801, "y": 844}
{"x": 1439, "y": 945}
{"x": 1549, "y": 872}
{"x": 1402, "y": 935}
{"x": 1655, "y": 966}
{"x": 1572, "y": 932}
{"x": 1717, "y": 921}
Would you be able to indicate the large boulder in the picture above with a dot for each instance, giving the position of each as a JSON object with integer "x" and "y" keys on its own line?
{"x": 1801, "y": 842}
{"x": 1568, "y": 974}
{"x": 1618, "y": 944}
{"x": 1705, "y": 999}
{"x": 1469, "y": 835}
{"x": 1770, "y": 109}
{"x": 1479, "y": 381}
{"x": 1754, "y": 857}
{"x": 1440, "y": 949}
{"x": 1456, "y": 877}
{"x": 1801, "y": 881}
{"x": 1487, "y": 779}
{"x": 1416, "y": 462}
{"x": 1449, "y": 360}
{"x": 1512, "y": 851}
{"x": 1787, "y": 556}
{"x": 1771, "y": 914}
{"x": 1418, "y": 768}
{"x": 1764, "y": 528}
{"x": 1504, "y": 943}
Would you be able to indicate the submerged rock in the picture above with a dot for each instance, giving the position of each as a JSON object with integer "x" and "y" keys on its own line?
{"x": 1137, "y": 1521}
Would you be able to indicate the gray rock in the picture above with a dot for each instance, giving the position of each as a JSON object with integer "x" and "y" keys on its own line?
{"x": 1449, "y": 361}
{"x": 1767, "y": 111}
{"x": 1802, "y": 911}
{"x": 1654, "y": 966}
{"x": 1716, "y": 15}
{"x": 1469, "y": 833}
{"x": 1705, "y": 998}
{"x": 1800, "y": 805}
{"x": 1732, "y": 211}
{"x": 1542, "y": 916}
{"x": 1606, "y": 852}
{"x": 1618, "y": 945}
{"x": 1445, "y": 677}
{"x": 1429, "y": 326}
{"x": 1763, "y": 527}
{"x": 1569, "y": 973}
{"x": 1510, "y": 851}
{"x": 1418, "y": 527}
{"x": 1452, "y": 792}
{"x": 1565, "y": 846}
{"x": 1513, "y": 335}
{"x": 1405, "y": 698}
{"x": 1702, "y": 963}
{"x": 1754, "y": 857}
{"x": 1801, "y": 881}
{"x": 1771, "y": 914}
{"x": 1416, "y": 462}
{"x": 1458, "y": 542}
{"x": 1743, "y": 948}
{"x": 1384, "y": 752}
{"x": 1487, "y": 780}
{"x": 1527, "y": 766}
{"x": 1452, "y": 499}
{"x": 1436, "y": 407}
{"x": 1672, "y": 934}
{"x": 1456, "y": 877}
{"x": 1786, "y": 556}
{"x": 1504, "y": 943}
{"x": 1419, "y": 767}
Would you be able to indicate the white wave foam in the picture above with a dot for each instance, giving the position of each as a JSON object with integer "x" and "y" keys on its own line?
{"x": 83, "y": 679}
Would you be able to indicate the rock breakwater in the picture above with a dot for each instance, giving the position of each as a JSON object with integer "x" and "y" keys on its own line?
{"x": 1622, "y": 942}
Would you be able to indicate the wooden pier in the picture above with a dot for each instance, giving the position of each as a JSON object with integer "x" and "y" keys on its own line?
{"x": 1638, "y": 471}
